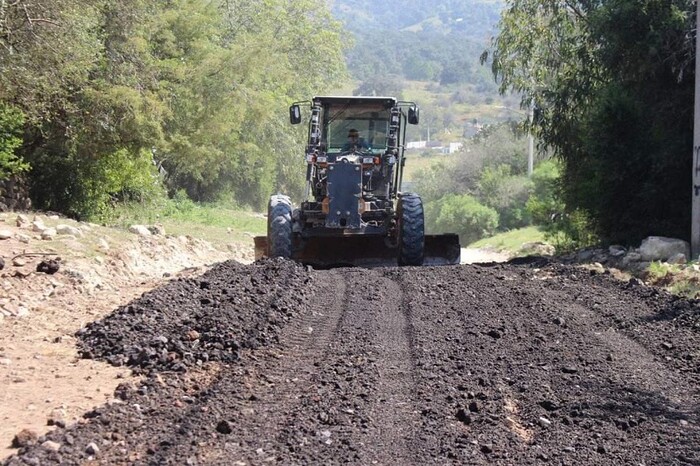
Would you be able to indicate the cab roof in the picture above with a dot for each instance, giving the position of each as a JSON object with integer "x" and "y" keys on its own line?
{"x": 357, "y": 100}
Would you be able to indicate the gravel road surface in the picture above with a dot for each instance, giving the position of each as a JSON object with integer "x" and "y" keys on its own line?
{"x": 274, "y": 363}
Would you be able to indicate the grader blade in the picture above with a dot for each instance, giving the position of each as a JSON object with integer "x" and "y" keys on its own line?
{"x": 363, "y": 251}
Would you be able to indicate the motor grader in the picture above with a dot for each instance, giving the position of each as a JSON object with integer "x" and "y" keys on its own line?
{"x": 354, "y": 212}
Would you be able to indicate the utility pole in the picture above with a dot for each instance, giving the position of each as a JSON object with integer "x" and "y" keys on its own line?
{"x": 530, "y": 140}
{"x": 695, "y": 219}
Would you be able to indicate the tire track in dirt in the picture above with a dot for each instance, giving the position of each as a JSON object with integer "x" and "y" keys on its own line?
{"x": 394, "y": 409}
{"x": 362, "y": 411}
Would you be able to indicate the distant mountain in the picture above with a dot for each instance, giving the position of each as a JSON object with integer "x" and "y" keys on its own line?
{"x": 424, "y": 40}
{"x": 473, "y": 18}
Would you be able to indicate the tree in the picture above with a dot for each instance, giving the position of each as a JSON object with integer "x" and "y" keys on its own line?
{"x": 11, "y": 122}
{"x": 615, "y": 104}
{"x": 197, "y": 87}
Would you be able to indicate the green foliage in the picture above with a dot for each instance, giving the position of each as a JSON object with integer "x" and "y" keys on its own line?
{"x": 91, "y": 187}
{"x": 615, "y": 104}
{"x": 571, "y": 231}
{"x": 475, "y": 18}
{"x": 545, "y": 198}
{"x": 505, "y": 193}
{"x": 461, "y": 214}
{"x": 199, "y": 87}
{"x": 491, "y": 169}
{"x": 11, "y": 122}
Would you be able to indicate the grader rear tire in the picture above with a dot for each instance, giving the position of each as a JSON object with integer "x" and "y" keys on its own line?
{"x": 279, "y": 226}
{"x": 411, "y": 225}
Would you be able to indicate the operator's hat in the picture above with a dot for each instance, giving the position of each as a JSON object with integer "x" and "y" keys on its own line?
{"x": 353, "y": 132}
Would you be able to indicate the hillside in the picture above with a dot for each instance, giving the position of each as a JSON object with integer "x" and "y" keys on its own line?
{"x": 472, "y": 18}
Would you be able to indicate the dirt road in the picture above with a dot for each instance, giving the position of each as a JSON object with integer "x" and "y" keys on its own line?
{"x": 272, "y": 363}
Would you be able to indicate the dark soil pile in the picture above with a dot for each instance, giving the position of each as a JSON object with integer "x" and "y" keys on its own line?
{"x": 503, "y": 364}
{"x": 191, "y": 321}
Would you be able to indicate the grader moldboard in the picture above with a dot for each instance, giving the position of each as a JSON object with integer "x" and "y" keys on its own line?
{"x": 355, "y": 213}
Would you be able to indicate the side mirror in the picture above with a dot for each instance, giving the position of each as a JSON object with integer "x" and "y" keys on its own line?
{"x": 413, "y": 115}
{"x": 295, "y": 114}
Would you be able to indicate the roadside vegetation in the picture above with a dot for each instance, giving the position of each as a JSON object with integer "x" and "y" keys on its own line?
{"x": 136, "y": 101}
{"x": 219, "y": 223}
{"x": 162, "y": 107}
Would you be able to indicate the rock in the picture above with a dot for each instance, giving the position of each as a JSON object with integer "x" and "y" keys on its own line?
{"x": 48, "y": 234}
{"x": 50, "y": 266}
{"x": 69, "y": 230}
{"x": 5, "y": 362}
{"x": 57, "y": 418}
{"x": 569, "y": 370}
{"x": 92, "y": 449}
{"x": 25, "y": 438}
{"x": 659, "y": 248}
{"x": 678, "y": 259}
{"x": 24, "y": 238}
{"x": 559, "y": 321}
{"x": 544, "y": 422}
{"x": 630, "y": 258}
{"x": 486, "y": 448}
{"x": 102, "y": 244}
{"x": 2, "y": 263}
{"x": 5, "y": 234}
{"x": 597, "y": 267}
{"x": 601, "y": 449}
{"x": 585, "y": 255}
{"x": 140, "y": 230}
{"x": 463, "y": 416}
{"x": 474, "y": 407}
{"x": 617, "y": 250}
{"x": 19, "y": 262}
{"x": 666, "y": 345}
{"x": 38, "y": 226}
{"x": 21, "y": 221}
{"x": 224, "y": 427}
{"x": 494, "y": 334}
{"x": 51, "y": 445}
{"x": 157, "y": 230}
{"x": 549, "y": 405}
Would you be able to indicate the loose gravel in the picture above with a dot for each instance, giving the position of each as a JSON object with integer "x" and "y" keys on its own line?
{"x": 274, "y": 363}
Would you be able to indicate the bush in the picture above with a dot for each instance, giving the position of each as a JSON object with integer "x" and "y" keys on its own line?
{"x": 506, "y": 194}
{"x": 11, "y": 122}
{"x": 461, "y": 214}
{"x": 571, "y": 231}
{"x": 89, "y": 187}
{"x": 545, "y": 198}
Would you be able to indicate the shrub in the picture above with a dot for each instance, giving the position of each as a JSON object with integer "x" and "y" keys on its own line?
{"x": 461, "y": 214}
{"x": 11, "y": 122}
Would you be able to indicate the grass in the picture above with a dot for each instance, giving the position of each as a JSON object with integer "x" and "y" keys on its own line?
{"x": 510, "y": 241}
{"x": 220, "y": 225}
{"x": 681, "y": 280}
{"x": 417, "y": 163}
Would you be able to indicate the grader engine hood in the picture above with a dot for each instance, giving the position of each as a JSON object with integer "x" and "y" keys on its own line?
{"x": 344, "y": 195}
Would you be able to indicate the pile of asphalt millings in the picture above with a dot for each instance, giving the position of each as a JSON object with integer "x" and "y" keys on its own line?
{"x": 189, "y": 321}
